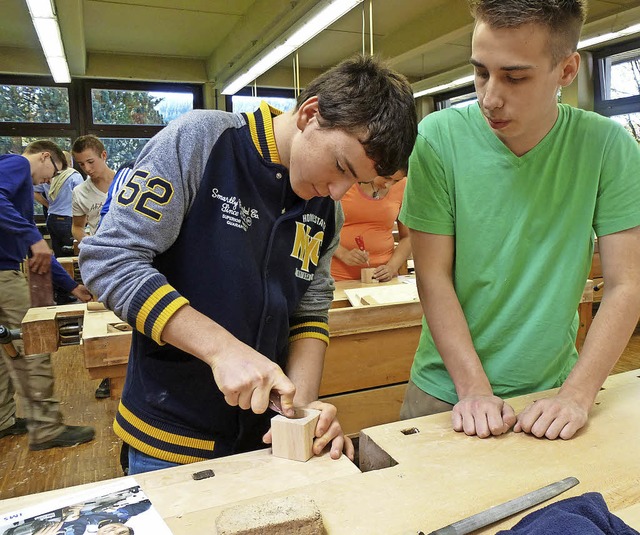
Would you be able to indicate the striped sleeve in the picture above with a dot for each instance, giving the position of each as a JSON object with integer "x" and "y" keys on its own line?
{"x": 152, "y": 307}
{"x": 309, "y": 327}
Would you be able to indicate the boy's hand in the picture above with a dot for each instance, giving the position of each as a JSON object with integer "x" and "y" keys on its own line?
{"x": 246, "y": 378}
{"x": 82, "y": 293}
{"x": 555, "y": 417}
{"x": 40, "y": 261}
{"x": 483, "y": 416}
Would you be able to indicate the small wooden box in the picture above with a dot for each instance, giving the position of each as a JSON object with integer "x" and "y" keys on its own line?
{"x": 292, "y": 438}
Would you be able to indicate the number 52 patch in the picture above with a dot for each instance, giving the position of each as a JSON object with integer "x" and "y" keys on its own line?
{"x": 143, "y": 193}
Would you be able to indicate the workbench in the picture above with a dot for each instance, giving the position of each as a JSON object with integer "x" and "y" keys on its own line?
{"x": 366, "y": 367}
{"x": 421, "y": 474}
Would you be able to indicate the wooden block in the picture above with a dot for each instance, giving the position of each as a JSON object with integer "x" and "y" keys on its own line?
{"x": 366, "y": 275}
{"x": 40, "y": 289}
{"x": 277, "y": 516}
{"x": 368, "y": 300}
{"x": 292, "y": 438}
{"x": 95, "y": 306}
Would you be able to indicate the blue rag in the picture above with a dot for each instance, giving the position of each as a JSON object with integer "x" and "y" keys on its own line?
{"x": 583, "y": 515}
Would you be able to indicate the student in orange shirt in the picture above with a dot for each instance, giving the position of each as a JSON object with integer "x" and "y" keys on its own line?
{"x": 370, "y": 212}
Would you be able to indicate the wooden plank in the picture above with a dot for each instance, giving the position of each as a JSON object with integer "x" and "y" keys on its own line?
{"x": 345, "y": 321}
{"x": 367, "y": 360}
{"x": 359, "y": 410}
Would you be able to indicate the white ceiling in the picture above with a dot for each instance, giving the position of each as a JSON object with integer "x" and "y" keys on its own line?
{"x": 210, "y": 40}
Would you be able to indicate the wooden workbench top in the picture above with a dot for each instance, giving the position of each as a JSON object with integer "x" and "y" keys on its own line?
{"x": 440, "y": 476}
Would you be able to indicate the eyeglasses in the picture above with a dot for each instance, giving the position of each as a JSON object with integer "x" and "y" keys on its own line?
{"x": 56, "y": 171}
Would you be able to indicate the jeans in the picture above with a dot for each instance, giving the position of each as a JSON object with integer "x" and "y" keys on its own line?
{"x": 59, "y": 227}
{"x": 141, "y": 462}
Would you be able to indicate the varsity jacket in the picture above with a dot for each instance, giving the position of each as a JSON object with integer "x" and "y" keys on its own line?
{"x": 209, "y": 218}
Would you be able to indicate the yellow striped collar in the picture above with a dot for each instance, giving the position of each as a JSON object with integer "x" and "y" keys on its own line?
{"x": 261, "y": 127}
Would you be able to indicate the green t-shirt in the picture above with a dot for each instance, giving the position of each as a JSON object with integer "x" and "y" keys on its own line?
{"x": 524, "y": 229}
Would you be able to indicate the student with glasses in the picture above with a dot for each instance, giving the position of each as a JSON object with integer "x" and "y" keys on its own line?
{"x": 30, "y": 375}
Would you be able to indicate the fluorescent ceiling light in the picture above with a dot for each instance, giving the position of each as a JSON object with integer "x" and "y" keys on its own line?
{"x": 46, "y": 24}
{"x": 608, "y": 36}
{"x": 40, "y": 9}
{"x": 305, "y": 30}
{"x": 450, "y": 85}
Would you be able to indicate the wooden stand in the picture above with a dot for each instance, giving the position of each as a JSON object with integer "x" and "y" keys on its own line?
{"x": 292, "y": 438}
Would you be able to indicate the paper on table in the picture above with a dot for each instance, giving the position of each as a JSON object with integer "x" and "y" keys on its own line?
{"x": 384, "y": 295}
{"x": 121, "y": 501}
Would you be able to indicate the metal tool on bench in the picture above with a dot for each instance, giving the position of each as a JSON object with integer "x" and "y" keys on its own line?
{"x": 504, "y": 510}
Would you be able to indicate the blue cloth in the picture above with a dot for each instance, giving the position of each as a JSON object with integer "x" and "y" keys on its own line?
{"x": 582, "y": 515}
{"x": 120, "y": 178}
{"x": 61, "y": 205}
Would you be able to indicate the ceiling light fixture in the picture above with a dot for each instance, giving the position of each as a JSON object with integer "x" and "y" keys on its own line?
{"x": 444, "y": 87}
{"x": 608, "y": 36}
{"x": 46, "y": 24}
{"x": 322, "y": 16}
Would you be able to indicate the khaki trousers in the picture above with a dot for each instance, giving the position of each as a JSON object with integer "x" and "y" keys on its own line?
{"x": 418, "y": 403}
{"x": 31, "y": 376}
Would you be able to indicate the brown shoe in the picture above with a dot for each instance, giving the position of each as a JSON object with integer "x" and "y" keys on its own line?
{"x": 72, "y": 435}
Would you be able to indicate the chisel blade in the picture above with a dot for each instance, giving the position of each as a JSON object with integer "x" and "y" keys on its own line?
{"x": 504, "y": 510}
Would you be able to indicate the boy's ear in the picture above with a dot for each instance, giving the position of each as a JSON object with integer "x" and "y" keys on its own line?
{"x": 307, "y": 112}
{"x": 571, "y": 65}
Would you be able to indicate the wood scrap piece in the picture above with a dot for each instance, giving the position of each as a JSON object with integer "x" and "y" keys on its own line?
{"x": 276, "y": 516}
{"x": 368, "y": 300}
{"x": 292, "y": 438}
{"x": 95, "y": 305}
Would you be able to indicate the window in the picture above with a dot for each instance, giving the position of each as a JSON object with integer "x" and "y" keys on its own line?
{"x": 124, "y": 115}
{"x": 617, "y": 84}
{"x": 34, "y": 104}
{"x": 248, "y": 99}
{"x": 457, "y": 98}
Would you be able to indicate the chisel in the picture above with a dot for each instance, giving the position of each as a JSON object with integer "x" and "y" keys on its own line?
{"x": 504, "y": 510}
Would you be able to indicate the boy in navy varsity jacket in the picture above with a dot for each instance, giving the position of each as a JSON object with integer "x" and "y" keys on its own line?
{"x": 217, "y": 252}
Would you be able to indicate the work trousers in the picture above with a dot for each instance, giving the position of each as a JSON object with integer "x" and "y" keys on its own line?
{"x": 31, "y": 376}
{"x": 418, "y": 403}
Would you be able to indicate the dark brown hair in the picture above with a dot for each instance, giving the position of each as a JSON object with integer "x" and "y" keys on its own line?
{"x": 44, "y": 145}
{"x": 362, "y": 95}
{"x": 563, "y": 19}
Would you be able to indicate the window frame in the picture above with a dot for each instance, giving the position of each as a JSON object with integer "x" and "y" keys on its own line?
{"x": 132, "y": 130}
{"x": 248, "y": 91}
{"x": 69, "y": 130}
{"x": 601, "y": 63}
{"x": 80, "y": 115}
{"x": 441, "y": 100}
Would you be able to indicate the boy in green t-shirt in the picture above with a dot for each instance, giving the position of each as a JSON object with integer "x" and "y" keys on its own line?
{"x": 503, "y": 201}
